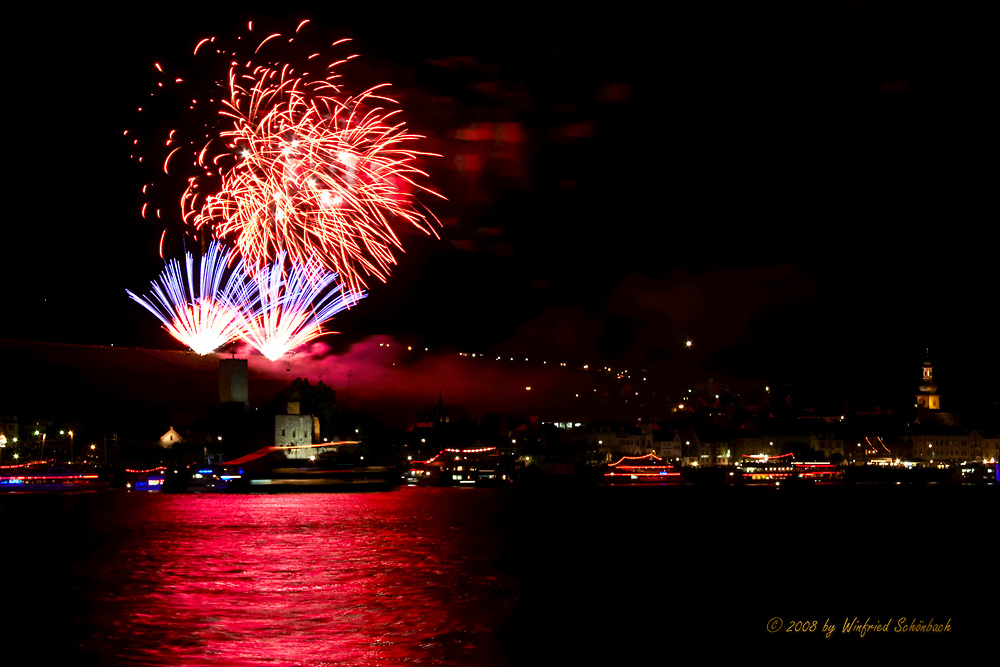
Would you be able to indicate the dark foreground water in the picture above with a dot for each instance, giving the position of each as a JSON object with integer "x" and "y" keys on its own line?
{"x": 497, "y": 577}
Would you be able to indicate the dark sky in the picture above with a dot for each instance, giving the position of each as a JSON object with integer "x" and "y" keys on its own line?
{"x": 801, "y": 193}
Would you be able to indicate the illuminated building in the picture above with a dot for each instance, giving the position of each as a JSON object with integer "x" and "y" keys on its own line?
{"x": 293, "y": 429}
{"x": 701, "y": 446}
{"x": 991, "y": 448}
{"x": 170, "y": 438}
{"x": 938, "y": 438}
{"x": 939, "y": 444}
{"x": 668, "y": 445}
{"x": 614, "y": 440}
{"x": 827, "y": 444}
{"x": 928, "y": 398}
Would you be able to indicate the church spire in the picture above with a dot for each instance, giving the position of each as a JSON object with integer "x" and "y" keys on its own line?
{"x": 928, "y": 397}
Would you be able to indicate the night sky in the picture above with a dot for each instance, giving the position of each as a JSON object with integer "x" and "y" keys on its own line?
{"x": 803, "y": 194}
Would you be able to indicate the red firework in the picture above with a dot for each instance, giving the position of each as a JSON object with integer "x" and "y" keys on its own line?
{"x": 312, "y": 172}
{"x": 286, "y": 161}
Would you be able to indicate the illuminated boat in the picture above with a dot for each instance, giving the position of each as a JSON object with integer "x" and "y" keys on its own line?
{"x": 424, "y": 473}
{"x": 214, "y": 478}
{"x": 57, "y": 477}
{"x": 634, "y": 470}
{"x": 987, "y": 472}
{"x": 819, "y": 472}
{"x": 151, "y": 482}
{"x": 150, "y": 479}
{"x": 476, "y": 466}
{"x": 765, "y": 469}
{"x": 258, "y": 473}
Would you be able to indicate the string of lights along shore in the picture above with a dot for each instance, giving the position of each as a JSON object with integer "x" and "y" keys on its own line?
{"x": 299, "y": 183}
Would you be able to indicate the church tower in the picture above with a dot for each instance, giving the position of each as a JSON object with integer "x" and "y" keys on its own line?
{"x": 928, "y": 397}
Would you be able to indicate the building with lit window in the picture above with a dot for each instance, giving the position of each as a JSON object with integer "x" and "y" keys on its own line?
{"x": 936, "y": 444}
{"x": 170, "y": 438}
{"x": 704, "y": 445}
{"x": 614, "y": 439}
{"x": 295, "y": 430}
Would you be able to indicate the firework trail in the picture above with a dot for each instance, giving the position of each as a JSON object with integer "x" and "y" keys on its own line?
{"x": 286, "y": 307}
{"x": 275, "y": 309}
{"x": 291, "y": 163}
{"x": 199, "y": 308}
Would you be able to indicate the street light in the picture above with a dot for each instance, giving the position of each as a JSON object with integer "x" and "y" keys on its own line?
{"x": 70, "y": 446}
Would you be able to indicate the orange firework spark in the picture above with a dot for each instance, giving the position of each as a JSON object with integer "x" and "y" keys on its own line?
{"x": 309, "y": 171}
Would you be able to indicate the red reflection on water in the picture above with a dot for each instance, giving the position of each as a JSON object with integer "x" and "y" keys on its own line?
{"x": 409, "y": 576}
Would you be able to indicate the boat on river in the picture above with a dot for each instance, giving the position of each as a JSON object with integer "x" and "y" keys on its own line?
{"x": 50, "y": 477}
{"x": 268, "y": 471}
{"x": 473, "y": 466}
{"x": 767, "y": 470}
{"x": 146, "y": 480}
{"x": 641, "y": 470}
{"x": 986, "y": 473}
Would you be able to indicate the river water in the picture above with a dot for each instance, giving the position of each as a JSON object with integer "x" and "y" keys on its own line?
{"x": 459, "y": 576}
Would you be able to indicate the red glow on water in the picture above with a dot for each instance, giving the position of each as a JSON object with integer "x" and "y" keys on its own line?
{"x": 303, "y": 579}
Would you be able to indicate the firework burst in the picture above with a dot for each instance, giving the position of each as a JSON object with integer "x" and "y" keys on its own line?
{"x": 317, "y": 176}
{"x": 309, "y": 184}
{"x": 199, "y": 307}
{"x": 287, "y": 306}
{"x": 289, "y": 162}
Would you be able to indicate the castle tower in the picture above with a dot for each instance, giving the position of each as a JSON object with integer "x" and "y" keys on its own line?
{"x": 928, "y": 397}
{"x": 233, "y": 382}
